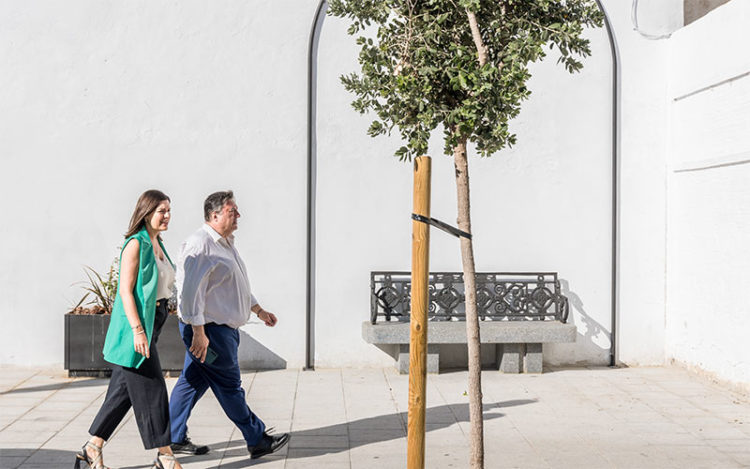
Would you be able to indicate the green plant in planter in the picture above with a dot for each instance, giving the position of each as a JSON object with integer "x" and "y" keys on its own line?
{"x": 101, "y": 290}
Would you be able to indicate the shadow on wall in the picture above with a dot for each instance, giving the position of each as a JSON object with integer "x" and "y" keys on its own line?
{"x": 253, "y": 355}
{"x": 589, "y": 330}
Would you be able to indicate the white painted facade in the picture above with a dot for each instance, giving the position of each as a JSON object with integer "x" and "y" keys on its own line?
{"x": 102, "y": 100}
{"x": 708, "y": 186}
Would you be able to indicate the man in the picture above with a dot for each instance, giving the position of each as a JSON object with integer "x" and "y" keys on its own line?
{"x": 214, "y": 300}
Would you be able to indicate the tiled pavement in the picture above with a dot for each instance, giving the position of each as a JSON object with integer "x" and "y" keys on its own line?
{"x": 355, "y": 418}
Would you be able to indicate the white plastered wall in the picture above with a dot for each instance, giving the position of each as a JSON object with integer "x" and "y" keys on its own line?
{"x": 103, "y": 99}
{"x": 708, "y": 317}
{"x": 642, "y": 196}
{"x": 543, "y": 205}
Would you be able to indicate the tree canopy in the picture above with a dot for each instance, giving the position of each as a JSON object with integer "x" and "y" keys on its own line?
{"x": 421, "y": 68}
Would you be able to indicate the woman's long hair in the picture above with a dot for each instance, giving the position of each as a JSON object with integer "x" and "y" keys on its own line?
{"x": 144, "y": 208}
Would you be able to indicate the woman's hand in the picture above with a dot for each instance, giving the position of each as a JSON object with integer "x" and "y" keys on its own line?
{"x": 128, "y": 276}
{"x": 140, "y": 342}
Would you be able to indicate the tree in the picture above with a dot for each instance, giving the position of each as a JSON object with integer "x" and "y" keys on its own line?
{"x": 462, "y": 64}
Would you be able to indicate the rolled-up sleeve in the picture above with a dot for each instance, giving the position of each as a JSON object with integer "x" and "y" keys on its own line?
{"x": 196, "y": 270}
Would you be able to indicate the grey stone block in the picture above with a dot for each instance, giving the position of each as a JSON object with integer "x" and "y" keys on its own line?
{"x": 433, "y": 359}
{"x": 519, "y": 343}
{"x": 491, "y": 332}
{"x": 532, "y": 359}
{"x": 511, "y": 359}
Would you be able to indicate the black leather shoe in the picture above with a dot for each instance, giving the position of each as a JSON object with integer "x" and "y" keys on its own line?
{"x": 188, "y": 447}
{"x": 268, "y": 444}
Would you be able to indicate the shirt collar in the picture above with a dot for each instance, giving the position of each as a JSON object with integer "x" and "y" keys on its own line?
{"x": 215, "y": 235}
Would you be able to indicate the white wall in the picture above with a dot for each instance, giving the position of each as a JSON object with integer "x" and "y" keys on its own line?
{"x": 708, "y": 317}
{"x": 542, "y": 206}
{"x": 103, "y": 99}
{"x": 658, "y": 17}
{"x": 642, "y": 225}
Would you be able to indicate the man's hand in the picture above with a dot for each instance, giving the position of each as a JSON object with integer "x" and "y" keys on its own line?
{"x": 268, "y": 318}
{"x": 199, "y": 345}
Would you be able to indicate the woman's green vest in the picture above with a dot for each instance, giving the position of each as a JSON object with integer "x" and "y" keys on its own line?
{"x": 118, "y": 346}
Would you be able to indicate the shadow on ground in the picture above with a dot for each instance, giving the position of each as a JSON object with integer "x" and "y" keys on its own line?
{"x": 15, "y": 457}
{"x": 73, "y": 383}
{"x": 352, "y": 434}
{"x": 304, "y": 443}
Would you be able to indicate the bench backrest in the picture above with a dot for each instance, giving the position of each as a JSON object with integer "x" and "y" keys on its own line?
{"x": 501, "y": 296}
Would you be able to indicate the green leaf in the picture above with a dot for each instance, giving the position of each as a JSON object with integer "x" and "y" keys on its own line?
{"x": 419, "y": 65}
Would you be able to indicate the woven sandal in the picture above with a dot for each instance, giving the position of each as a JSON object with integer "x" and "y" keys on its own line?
{"x": 170, "y": 460}
{"x": 83, "y": 456}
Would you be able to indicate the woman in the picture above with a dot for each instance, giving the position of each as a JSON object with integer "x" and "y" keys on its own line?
{"x": 146, "y": 280}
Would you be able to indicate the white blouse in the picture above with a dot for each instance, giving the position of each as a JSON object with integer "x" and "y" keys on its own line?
{"x": 166, "y": 278}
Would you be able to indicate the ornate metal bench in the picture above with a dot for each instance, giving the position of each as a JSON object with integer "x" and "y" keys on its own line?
{"x": 519, "y": 312}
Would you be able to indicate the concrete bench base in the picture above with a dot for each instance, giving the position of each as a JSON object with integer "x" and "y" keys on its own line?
{"x": 518, "y": 344}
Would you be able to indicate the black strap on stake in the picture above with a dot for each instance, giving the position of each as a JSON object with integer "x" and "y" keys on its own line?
{"x": 443, "y": 226}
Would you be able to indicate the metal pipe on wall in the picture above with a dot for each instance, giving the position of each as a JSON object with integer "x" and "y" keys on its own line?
{"x": 312, "y": 55}
{"x": 615, "y": 183}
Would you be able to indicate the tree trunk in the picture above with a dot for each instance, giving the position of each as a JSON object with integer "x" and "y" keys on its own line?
{"x": 477, "y": 37}
{"x": 472, "y": 319}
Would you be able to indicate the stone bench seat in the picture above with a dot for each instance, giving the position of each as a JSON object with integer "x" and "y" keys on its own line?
{"x": 518, "y": 344}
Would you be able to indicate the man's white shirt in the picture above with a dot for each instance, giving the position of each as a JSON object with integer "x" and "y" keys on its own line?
{"x": 212, "y": 282}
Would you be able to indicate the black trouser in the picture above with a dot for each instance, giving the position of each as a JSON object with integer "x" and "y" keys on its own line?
{"x": 143, "y": 388}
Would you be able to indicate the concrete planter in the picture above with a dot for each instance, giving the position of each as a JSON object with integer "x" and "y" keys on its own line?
{"x": 84, "y": 340}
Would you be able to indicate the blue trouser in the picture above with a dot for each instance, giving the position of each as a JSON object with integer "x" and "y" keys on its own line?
{"x": 222, "y": 376}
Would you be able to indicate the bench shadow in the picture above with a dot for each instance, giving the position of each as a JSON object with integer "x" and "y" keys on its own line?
{"x": 345, "y": 436}
{"x": 253, "y": 355}
{"x": 583, "y": 320}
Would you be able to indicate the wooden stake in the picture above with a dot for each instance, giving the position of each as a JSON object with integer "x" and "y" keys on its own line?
{"x": 420, "y": 257}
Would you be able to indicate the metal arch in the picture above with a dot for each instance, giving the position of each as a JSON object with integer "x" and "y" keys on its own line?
{"x": 312, "y": 84}
{"x": 615, "y": 184}
{"x": 311, "y": 178}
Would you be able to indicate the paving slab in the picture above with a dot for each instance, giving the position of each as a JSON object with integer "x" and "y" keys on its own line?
{"x": 661, "y": 417}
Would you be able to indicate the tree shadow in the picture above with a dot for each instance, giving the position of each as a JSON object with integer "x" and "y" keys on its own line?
{"x": 305, "y": 443}
{"x": 345, "y": 436}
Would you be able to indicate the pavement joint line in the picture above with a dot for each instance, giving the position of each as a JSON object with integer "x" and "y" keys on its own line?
{"x": 63, "y": 386}
{"x": 13, "y": 389}
{"x": 592, "y": 403}
{"x": 17, "y": 385}
{"x": 529, "y": 441}
{"x": 234, "y": 427}
{"x": 450, "y": 409}
{"x": 229, "y": 442}
{"x": 294, "y": 407}
{"x": 346, "y": 418}
{"x": 737, "y": 399}
{"x": 404, "y": 425}
{"x": 631, "y": 418}
{"x": 525, "y": 438}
